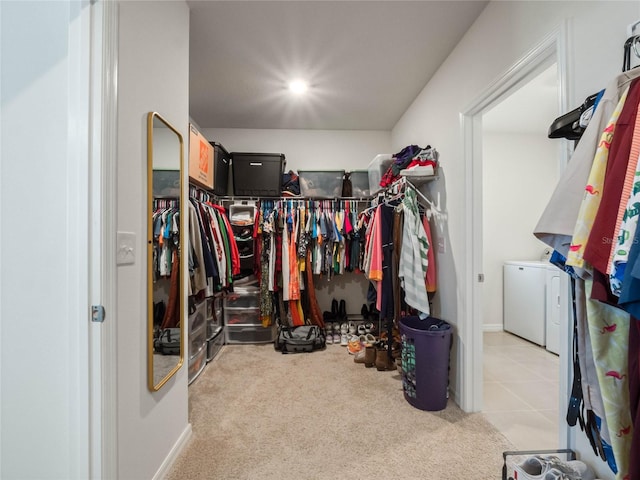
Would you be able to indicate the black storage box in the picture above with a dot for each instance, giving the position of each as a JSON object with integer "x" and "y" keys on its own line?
{"x": 257, "y": 174}
{"x": 221, "y": 162}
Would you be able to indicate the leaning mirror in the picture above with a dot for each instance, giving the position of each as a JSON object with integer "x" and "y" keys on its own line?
{"x": 165, "y": 332}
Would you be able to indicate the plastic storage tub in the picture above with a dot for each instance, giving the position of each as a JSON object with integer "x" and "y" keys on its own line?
{"x": 248, "y": 334}
{"x": 359, "y": 183}
{"x": 377, "y": 168}
{"x": 214, "y": 345}
{"x": 321, "y": 184}
{"x": 425, "y": 362}
{"x": 243, "y": 297}
{"x": 257, "y": 174}
{"x": 242, "y": 316}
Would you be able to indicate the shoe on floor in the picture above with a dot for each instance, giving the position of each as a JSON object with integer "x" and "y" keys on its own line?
{"x": 344, "y": 340}
{"x": 354, "y": 345}
{"x": 537, "y": 467}
{"x": 336, "y": 338}
{"x": 329, "y": 337}
{"x": 360, "y": 356}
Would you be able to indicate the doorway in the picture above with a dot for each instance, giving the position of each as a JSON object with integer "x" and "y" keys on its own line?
{"x": 520, "y": 167}
{"x": 552, "y": 49}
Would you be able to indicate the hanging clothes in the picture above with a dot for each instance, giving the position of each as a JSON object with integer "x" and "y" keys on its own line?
{"x": 413, "y": 262}
{"x": 557, "y": 223}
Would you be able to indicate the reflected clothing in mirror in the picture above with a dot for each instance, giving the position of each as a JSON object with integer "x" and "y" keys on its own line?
{"x": 165, "y": 299}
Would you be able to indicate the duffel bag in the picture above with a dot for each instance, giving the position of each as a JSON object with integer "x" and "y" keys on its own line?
{"x": 303, "y": 338}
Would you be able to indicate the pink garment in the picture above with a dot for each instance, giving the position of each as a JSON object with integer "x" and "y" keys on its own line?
{"x": 431, "y": 277}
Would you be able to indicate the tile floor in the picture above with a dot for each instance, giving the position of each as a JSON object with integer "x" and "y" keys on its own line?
{"x": 521, "y": 395}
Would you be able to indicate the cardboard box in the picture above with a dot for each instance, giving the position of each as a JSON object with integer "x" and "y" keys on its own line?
{"x": 200, "y": 159}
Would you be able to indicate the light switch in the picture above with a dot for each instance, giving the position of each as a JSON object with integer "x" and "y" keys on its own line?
{"x": 126, "y": 252}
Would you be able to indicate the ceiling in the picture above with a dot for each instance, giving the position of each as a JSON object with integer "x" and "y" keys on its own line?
{"x": 365, "y": 61}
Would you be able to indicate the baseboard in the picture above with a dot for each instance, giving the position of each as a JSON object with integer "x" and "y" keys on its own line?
{"x": 492, "y": 327}
{"x": 173, "y": 454}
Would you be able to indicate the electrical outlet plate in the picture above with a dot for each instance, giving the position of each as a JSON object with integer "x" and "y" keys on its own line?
{"x": 126, "y": 253}
{"x": 441, "y": 245}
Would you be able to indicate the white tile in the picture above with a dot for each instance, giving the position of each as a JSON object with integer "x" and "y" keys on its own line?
{"x": 527, "y": 430}
{"x": 498, "y": 399}
{"x": 540, "y": 395}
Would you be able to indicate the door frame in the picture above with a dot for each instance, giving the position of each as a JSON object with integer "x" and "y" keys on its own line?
{"x": 102, "y": 238}
{"x": 553, "y": 47}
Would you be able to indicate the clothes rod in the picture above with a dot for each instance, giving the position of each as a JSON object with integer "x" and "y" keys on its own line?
{"x": 631, "y": 28}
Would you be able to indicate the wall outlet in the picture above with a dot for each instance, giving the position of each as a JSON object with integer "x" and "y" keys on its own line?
{"x": 441, "y": 245}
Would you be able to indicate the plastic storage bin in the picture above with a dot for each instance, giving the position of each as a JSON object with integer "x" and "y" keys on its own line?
{"x": 377, "y": 168}
{"x": 321, "y": 184}
{"x": 243, "y": 297}
{"x": 249, "y": 334}
{"x": 214, "y": 345}
{"x": 425, "y": 362}
{"x": 197, "y": 363}
{"x": 359, "y": 183}
{"x": 257, "y": 174}
{"x": 214, "y": 315}
{"x": 197, "y": 329}
{"x": 242, "y": 316}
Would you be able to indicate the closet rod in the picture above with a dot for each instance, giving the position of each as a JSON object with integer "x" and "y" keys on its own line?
{"x": 295, "y": 199}
{"x": 631, "y": 28}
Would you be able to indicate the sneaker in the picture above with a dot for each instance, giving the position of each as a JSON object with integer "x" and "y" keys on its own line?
{"x": 336, "y": 338}
{"x": 352, "y": 328}
{"x": 329, "y": 337}
{"x": 354, "y": 345}
{"x": 532, "y": 468}
{"x": 344, "y": 340}
{"x": 552, "y": 468}
{"x": 344, "y": 328}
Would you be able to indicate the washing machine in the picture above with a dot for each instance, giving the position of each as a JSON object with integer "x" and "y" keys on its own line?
{"x": 531, "y": 302}
{"x": 553, "y": 316}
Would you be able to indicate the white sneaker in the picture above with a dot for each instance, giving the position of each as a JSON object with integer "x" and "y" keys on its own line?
{"x": 344, "y": 339}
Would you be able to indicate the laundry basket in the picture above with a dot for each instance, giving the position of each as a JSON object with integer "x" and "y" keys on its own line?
{"x": 425, "y": 362}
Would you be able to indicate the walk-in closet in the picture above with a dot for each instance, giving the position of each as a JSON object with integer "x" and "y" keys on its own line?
{"x": 289, "y": 240}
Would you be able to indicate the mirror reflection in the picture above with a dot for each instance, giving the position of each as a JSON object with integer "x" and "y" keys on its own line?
{"x": 165, "y": 304}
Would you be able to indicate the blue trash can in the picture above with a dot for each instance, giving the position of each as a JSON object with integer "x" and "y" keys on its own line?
{"x": 425, "y": 362}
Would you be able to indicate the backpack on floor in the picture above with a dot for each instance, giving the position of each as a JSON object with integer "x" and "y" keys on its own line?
{"x": 303, "y": 338}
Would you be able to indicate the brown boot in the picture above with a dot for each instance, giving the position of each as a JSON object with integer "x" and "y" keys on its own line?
{"x": 369, "y": 356}
{"x": 383, "y": 362}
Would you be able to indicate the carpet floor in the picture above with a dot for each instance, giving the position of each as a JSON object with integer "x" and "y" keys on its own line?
{"x": 259, "y": 414}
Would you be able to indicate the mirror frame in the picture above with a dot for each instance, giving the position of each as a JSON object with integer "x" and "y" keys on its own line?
{"x": 154, "y": 387}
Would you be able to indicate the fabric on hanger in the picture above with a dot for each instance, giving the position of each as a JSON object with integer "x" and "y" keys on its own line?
{"x": 595, "y": 183}
{"x": 597, "y": 251}
{"x": 556, "y": 224}
{"x": 413, "y": 262}
{"x": 610, "y": 351}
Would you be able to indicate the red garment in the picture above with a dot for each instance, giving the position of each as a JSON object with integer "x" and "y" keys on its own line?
{"x": 431, "y": 278}
{"x": 235, "y": 255}
{"x": 600, "y": 239}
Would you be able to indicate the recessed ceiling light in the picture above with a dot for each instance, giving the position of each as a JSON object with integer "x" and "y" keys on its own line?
{"x": 298, "y": 87}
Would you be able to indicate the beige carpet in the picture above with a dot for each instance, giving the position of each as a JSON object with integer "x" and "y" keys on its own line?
{"x": 259, "y": 414}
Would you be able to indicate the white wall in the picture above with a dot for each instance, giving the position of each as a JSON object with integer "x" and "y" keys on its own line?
{"x": 307, "y": 149}
{"x": 153, "y": 73}
{"x": 504, "y": 33}
{"x": 512, "y": 208}
{"x": 44, "y": 244}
